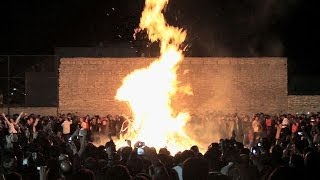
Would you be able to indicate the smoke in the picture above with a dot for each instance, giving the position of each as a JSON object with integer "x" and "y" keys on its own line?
{"x": 210, "y": 127}
{"x": 233, "y": 28}
{"x": 99, "y": 139}
{"x": 203, "y": 128}
{"x": 208, "y": 105}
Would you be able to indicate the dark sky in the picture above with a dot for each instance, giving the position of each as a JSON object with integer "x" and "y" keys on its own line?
{"x": 287, "y": 28}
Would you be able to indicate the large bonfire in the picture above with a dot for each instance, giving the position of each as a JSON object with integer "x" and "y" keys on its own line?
{"x": 149, "y": 91}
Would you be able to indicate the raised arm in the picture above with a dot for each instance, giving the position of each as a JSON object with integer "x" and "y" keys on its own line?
{"x": 83, "y": 145}
{"x": 18, "y": 118}
{"x": 6, "y": 119}
{"x": 35, "y": 124}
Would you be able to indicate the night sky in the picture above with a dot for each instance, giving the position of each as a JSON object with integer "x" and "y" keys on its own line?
{"x": 287, "y": 28}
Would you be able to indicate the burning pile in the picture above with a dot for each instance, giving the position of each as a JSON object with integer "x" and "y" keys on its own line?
{"x": 149, "y": 91}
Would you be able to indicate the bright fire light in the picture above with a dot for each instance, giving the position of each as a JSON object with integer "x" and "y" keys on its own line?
{"x": 149, "y": 91}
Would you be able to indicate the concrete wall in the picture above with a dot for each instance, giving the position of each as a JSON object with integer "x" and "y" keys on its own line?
{"x": 303, "y": 104}
{"x": 88, "y": 85}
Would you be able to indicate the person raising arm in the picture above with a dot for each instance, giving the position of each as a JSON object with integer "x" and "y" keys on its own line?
{"x": 10, "y": 124}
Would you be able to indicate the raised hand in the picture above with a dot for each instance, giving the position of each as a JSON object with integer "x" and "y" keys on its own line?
{"x": 18, "y": 119}
{"x": 36, "y": 122}
{"x": 44, "y": 172}
{"x": 73, "y": 147}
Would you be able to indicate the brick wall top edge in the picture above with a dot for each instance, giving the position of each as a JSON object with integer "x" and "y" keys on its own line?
{"x": 244, "y": 60}
{"x": 303, "y": 96}
{"x": 232, "y": 60}
{"x": 187, "y": 60}
{"x": 105, "y": 58}
{"x": 151, "y": 58}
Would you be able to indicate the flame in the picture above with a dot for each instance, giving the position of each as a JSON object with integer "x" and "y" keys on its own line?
{"x": 148, "y": 91}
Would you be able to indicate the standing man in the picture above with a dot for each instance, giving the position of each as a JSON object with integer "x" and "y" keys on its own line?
{"x": 66, "y": 128}
{"x": 257, "y": 127}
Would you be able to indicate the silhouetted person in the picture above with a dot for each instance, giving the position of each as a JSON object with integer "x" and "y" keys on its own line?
{"x": 118, "y": 172}
{"x": 195, "y": 169}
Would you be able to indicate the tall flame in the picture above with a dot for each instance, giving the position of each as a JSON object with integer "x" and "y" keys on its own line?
{"x": 148, "y": 91}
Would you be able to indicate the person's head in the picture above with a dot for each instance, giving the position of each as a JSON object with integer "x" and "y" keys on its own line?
{"x": 164, "y": 151}
{"x": 91, "y": 163}
{"x": 66, "y": 166}
{"x": 118, "y": 172}
{"x": 313, "y": 121}
{"x": 239, "y": 146}
{"x": 53, "y": 168}
{"x": 9, "y": 161}
{"x": 11, "y": 120}
{"x": 125, "y": 152}
{"x": 244, "y": 159}
{"x": 276, "y": 153}
{"x": 213, "y": 151}
{"x": 166, "y": 160}
{"x": 186, "y": 154}
{"x": 83, "y": 174}
{"x": 281, "y": 172}
{"x": 312, "y": 161}
{"x": 135, "y": 165}
{"x": 110, "y": 147}
{"x": 296, "y": 161}
{"x": 13, "y": 176}
{"x": 30, "y": 120}
{"x": 213, "y": 156}
{"x": 151, "y": 151}
{"x": 158, "y": 171}
{"x": 265, "y": 144}
{"x": 102, "y": 163}
{"x": 109, "y": 117}
{"x": 63, "y": 157}
{"x": 44, "y": 121}
{"x": 195, "y": 149}
{"x": 141, "y": 176}
{"x": 195, "y": 168}
{"x": 66, "y": 119}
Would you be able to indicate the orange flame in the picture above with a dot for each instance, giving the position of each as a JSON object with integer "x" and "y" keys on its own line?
{"x": 148, "y": 91}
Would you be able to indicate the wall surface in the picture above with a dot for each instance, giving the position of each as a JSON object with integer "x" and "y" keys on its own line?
{"x": 88, "y": 85}
{"x": 303, "y": 104}
{"x": 44, "y": 111}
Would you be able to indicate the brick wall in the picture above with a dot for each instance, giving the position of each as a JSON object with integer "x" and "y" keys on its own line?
{"x": 303, "y": 104}
{"x": 44, "y": 111}
{"x": 88, "y": 85}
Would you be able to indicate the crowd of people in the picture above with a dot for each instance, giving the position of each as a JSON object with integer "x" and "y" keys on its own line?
{"x": 262, "y": 146}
